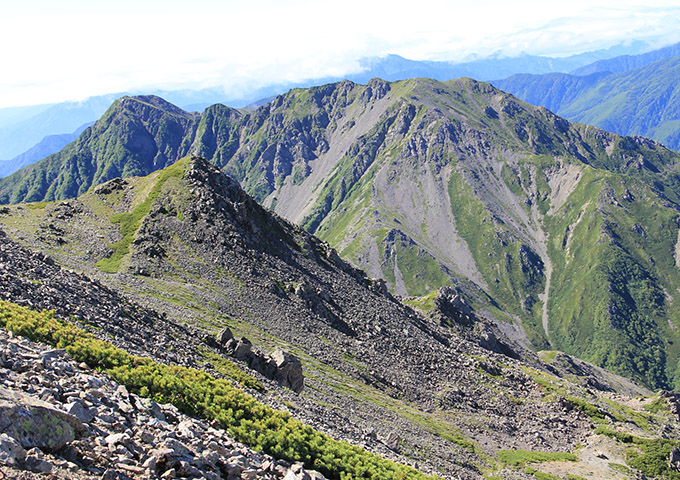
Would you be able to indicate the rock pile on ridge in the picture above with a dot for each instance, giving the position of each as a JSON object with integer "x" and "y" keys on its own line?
{"x": 278, "y": 365}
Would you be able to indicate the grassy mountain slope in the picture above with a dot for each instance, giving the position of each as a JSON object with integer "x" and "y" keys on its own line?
{"x": 201, "y": 251}
{"x": 642, "y": 101}
{"x": 385, "y": 207}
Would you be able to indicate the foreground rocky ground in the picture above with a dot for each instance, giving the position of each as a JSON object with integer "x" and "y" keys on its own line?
{"x": 64, "y": 421}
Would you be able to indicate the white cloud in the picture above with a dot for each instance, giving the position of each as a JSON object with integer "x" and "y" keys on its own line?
{"x": 72, "y": 49}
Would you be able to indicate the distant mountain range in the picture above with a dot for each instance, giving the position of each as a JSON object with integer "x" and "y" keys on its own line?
{"x": 21, "y": 128}
{"x": 394, "y": 67}
{"x": 31, "y": 125}
{"x": 47, "y": 146}
{"x": 643, "y": 101}
{"x": 623, "y": 63}
{"x": 428, "y": 184}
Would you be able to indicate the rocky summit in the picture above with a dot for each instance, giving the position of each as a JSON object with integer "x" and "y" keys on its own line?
{"x": 185, "y": 270}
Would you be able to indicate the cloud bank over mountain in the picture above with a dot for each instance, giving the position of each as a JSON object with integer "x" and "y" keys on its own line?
{"x": 75, "y": 49}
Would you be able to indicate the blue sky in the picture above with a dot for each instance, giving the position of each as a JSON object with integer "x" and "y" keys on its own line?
{"x": 72, "y": 49}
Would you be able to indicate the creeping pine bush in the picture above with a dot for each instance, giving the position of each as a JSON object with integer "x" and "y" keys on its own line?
{"x": 197, "y": 393}
{"x": 648, "y": 455}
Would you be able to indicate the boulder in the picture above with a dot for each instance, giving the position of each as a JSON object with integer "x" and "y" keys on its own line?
{"x": 52, "y": 355}
{"x": 288, "y": 370}
{"x": 11, "y": 452}
{"x": 35, "y": 423}
{"x": 151, "y": 408}
{"x": 290, "y": 475}
{"x": 37, "y": 464}
{"x": 116, "y": 438}
{"x": 79, "y": 410}
{"x": 393, "y": 442}
{"x": 242, "y": 350}
{"x": 224, "y": 335}
{"x": 111, "y": 474}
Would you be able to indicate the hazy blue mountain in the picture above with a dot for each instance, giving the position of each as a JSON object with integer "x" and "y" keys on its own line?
{"x": 644, "y": 101}
{"x": 14, "y": 115}
{"x": 623, "y": 63}
{"x": 47, "y": 146}
{"x": 66, "y": 117}
{"x": 394, "y": 67}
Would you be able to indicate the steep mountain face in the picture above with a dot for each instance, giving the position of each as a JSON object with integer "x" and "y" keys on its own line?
{"x": 424, "y": 183}
{"x": 189, "y": 243}
{"x": 643, "y": 101}
{"x": 22, "y": 128}
{"x": 563, "y": 233}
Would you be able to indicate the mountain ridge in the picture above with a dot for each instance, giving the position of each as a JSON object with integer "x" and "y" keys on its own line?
{"x": 32, "y": 123}
{"x": 504, "y": 180}
{"x": 624, "y": 63}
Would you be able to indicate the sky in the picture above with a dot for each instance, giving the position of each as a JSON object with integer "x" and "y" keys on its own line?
{"x": 62, "y": 50}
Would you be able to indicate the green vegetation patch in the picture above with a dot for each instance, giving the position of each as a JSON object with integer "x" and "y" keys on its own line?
{"x": 619, "y": 468}
{"x": 230, "y": 369}
{"x": 420, "y": 271}
{"x": 541, "y": 475}
{"x": 573, "y": 476}
{"x": 657, "y": 405}
{"x": 36, "y": 205}
{"x": 548, "y": 356}
{"x": 519, "y": 458}
{"x": 512, "y": 270}
{"x": 614, "y": 236}
{"x": 424, "y": 303}
{"x": 588, "y": 408}
{"x": 197, "y": 393}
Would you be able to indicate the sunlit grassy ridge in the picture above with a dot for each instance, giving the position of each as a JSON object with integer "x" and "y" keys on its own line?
{"x": 130, "y": 222}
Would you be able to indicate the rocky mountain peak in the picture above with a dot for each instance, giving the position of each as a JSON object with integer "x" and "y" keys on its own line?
{"x": 202, "y": 175}
{"x": 149, "y": 102}
{"x": 486, "y": 192}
